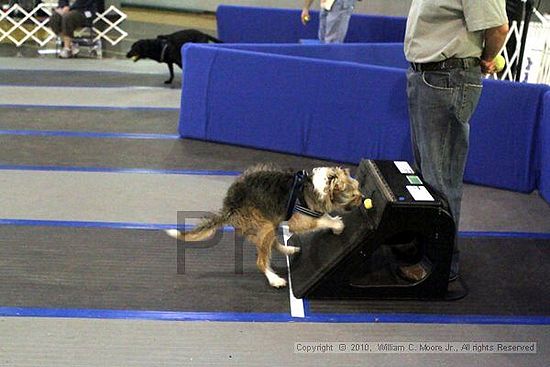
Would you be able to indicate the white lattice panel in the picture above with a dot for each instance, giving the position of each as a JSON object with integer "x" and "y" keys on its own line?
{"x": 21, "y": 21}
{"x": 536, "y": 63}
{"x": 17, "y": 20}
{"x": 111, "y": 26}
{"x": 536, "y": 57}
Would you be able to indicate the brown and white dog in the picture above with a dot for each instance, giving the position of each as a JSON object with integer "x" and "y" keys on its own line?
{"x": 258, "y": 201}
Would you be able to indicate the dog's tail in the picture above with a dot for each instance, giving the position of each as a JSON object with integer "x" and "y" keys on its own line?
{"x": 203, "y": 230}
{"x": 214, "y": 39}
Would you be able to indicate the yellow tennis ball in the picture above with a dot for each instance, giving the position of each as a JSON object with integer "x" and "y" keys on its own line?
{"x": 306, "y": 18}
{"x": 499, "y": 63}
{"x": 368, "y": 203}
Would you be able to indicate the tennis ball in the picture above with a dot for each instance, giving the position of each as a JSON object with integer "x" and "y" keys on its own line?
{"x": 306, "y": 18}
{"x": 499, "y": 63}
{"x": 368, "y": 203}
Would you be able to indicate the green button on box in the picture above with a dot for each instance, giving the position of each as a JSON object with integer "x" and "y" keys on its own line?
{"x": 414, "y": 180}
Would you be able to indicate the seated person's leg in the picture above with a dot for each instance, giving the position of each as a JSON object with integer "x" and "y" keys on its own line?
{"x": 71, "y": 22}
{"x": 55, "y": 23}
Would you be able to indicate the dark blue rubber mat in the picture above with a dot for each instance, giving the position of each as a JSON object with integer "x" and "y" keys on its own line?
{"x": 91, "y": 268}
{"x": 504, "y": 276}
{"x": 143, "y": 270}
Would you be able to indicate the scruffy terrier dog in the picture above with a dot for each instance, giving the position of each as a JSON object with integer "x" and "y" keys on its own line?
{"x": 262, "y": 197}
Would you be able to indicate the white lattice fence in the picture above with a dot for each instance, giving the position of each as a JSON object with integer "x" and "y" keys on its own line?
{"x": 112, "y": 27}
{"x": 536, "y": 58}
{"x": 19, "y": 21}
{"x": 536, "y": 63}
{"x": 16, "y": 21}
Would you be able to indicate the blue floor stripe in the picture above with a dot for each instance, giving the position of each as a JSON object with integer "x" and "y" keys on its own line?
{"x": 86, "y": 134}
{"x": 71, "y": 107}
{"x": 482, "y": 234}
{"x": 153, "y": 226}
{"x": 84, "y": 224}
{"x": 191, "y": 172}
{"x": 87, "y": 86}
{"x": 273, "y": 317}
{"x": 406, "y": 318}
{"x": 98, "y": 72}
{"x": 99, "y": 225}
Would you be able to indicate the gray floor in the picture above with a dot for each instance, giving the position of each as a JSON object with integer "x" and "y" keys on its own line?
{"x": 155, "y": 198}
{"x": 67, "y": 342}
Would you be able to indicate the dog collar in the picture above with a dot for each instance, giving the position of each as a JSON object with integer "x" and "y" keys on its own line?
{"x": 296, "y": 200}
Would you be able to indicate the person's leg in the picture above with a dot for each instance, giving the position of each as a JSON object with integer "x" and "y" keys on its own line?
{"x": 337, "y": 21}
{"x": 322, "y": 24}
{"x": 55, "y": 23}
{"x": 440, "y": 106}
{"x": 71, "y": 21}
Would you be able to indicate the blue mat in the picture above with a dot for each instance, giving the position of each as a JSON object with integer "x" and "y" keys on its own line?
{"x": 333, "y": 103}
{"x": 503, "y": 135}
{"x": 382, "y": 54}
{"x": 544, "y": 149}
{"x": 240, "y": 24}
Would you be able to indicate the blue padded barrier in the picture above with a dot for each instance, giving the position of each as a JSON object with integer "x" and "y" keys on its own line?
{"x": 544, "y": 149}
{"x": 333, "y": 110}
{"x": 345, "y": 111}
{"x": 240, "y": 24}
{"x": 382, "y": 54}
{"x": 502, "y": 135}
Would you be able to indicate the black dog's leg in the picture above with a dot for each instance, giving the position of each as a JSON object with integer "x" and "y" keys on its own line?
{"x": 171, "y": 69}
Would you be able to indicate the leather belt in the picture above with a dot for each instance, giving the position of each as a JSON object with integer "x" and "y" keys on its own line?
{"x": 448, "y": 64}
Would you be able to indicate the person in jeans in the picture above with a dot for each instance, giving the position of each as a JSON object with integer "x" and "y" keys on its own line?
{"x": 450, "y": 44}
{"x": 333, "y": 23}
{"x": 69, "y": 17}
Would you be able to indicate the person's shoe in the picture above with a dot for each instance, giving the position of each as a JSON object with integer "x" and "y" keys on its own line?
{"x": 415, "y": 272}
{"x": 65, "y": 53}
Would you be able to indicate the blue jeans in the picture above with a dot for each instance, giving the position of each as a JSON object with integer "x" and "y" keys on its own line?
{"x": 333, "y": 24}
{"x": 440, "y": 106}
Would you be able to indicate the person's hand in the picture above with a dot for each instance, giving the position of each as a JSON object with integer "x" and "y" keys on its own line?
{"x": 305, "y": 16}
{"x": 488, "y": 67}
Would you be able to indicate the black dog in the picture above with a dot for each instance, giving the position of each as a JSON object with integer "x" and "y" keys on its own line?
{"x": 167, "y": 48}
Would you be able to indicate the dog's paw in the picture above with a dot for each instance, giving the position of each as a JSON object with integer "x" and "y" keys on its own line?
{"x": 275, "y": 280}
{"x": 293, "y": 250}
{"x": 289, "y": 250}
{"x": 173, "y": 233}
{"x": 337, "y": 225}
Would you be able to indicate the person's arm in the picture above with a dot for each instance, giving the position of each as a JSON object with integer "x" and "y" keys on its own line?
{"x": 494, "y": 40}
{"x": 305, "y": 11}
